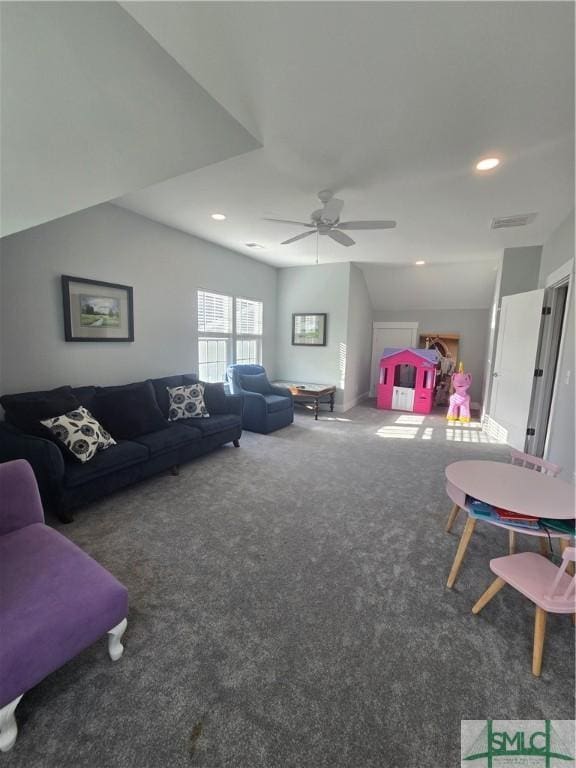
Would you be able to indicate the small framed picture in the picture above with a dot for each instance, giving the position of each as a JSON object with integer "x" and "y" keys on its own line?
{"x": 97, "y": 311}
{"x": 309, "y": 330}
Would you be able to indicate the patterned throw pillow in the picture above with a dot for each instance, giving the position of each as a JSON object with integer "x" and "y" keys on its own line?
{"x": 187, "y": 402}
{"x": 80, "y": 432}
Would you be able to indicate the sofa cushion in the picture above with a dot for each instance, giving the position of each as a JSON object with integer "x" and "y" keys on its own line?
{"x": 28, "y": 409}
{"x": 275, "y": 403}
{"x": 169, "y": 439}
{"x": 87, "y": 397}
{"x": 214, "y": 424}
{"x": 161, "y": 388}
{"x": 55, "y": 601}
{"x": 215, "y": 397}
{"x": 256, "y": 383}
{"x": 129, "y": 411}
{"x": 80, "y": 433}
{"x": 124, "y": 454}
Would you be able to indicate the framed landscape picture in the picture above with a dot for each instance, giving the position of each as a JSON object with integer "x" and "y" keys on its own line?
{"x": 97, "y": 311}
{"x": 309, "y": 330}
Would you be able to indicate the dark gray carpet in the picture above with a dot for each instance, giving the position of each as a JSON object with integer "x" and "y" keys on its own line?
{"x": 288, "y": 608}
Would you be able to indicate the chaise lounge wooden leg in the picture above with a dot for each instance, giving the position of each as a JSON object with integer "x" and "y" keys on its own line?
{"x": 492, "y": 590}
{"x": 8, "y": 725}
{"x": 452, "y": 517}
{"x": 236, "y": 443}
{"x": 461, "y": 551}
{"x": 115, "y": 647}
{"x": 511, "y": 542}
{"x": 539, "y": 634}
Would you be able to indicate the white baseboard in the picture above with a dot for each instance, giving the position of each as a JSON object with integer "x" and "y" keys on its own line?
{"x": 343, "y": 407}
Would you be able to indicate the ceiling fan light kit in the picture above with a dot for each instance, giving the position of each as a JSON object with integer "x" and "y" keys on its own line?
{"x": 326, "y": 221}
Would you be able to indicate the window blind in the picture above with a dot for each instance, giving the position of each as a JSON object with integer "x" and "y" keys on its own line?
{"x": 248, "y": 317}
{"x": 214, "y": 313}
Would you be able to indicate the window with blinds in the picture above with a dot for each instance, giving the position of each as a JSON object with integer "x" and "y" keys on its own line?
{"x": 248, "y": 317}
{"x": 248, "y": 331}
{"x": 214, "y": 313}
{"x": 229, "y": 331}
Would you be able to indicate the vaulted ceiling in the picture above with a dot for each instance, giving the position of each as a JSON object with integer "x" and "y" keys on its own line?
{"x": 93, "y": 107}
{"x": 177, "y": 110}
{"x": 388, "y": 104}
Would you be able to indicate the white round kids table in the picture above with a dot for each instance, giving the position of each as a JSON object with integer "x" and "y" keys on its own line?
{"x": 509, "y": 487}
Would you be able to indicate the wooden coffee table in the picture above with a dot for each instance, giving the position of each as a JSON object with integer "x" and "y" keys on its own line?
{"x": 310, "y": 393}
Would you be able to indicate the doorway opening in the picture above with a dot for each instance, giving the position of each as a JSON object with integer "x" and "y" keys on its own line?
{"x": 555, "y": 305}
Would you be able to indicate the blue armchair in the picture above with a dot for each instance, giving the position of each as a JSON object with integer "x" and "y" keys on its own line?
{"x": 264, "y": 407}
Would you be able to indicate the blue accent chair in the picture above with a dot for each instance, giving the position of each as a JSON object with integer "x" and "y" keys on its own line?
{"x": 264, "y": 407}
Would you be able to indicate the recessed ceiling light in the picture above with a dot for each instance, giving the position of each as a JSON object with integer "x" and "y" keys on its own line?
{"x": 218, "y": 216}
{"x": 419, "y": 263}
{"x": 488, "y": 164}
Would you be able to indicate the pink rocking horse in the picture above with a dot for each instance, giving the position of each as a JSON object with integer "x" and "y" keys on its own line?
{"x": 459, "y": 409}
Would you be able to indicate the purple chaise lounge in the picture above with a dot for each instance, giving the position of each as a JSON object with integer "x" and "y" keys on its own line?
{"x": 55, "y": 600}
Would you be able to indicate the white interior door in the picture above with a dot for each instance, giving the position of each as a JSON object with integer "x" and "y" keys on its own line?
{"x": 515, "y": 361}
{"x": 389, "y": 335}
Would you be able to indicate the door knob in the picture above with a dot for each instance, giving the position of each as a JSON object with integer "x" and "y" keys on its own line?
{"x": 495, "y": 375}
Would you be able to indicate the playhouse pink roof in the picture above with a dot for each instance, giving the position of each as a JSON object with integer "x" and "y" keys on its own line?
{"x": 429, "y": 355}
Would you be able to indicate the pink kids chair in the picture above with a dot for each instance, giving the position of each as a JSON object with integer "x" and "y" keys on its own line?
{"x": 533, "y": 462}
{"x": 459, "y": 409}
{"x": 550, "y": 588}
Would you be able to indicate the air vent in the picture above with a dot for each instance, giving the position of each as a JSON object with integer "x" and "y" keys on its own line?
{"x": 518, "y": 220}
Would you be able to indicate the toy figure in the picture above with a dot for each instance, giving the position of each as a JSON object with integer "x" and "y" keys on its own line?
{"x": 459, "y": 409}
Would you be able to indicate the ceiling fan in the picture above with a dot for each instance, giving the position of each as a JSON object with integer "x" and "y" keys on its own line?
{"x": 326, "y": 221}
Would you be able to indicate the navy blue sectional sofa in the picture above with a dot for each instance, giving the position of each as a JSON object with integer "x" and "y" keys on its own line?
{"x": 66, "y": 484}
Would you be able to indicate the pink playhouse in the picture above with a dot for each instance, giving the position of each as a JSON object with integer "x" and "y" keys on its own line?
{"x": 407, "y": 379}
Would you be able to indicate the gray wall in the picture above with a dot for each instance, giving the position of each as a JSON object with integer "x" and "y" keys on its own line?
{"x": 165, "y": 267}
{"x": 320, "y": 288}
{"x": 93, "y": 107}
{"x": 359, "y": 339}
{"x": 471, "y": 324}
{"x": 340, "y": 290}
{"x": 434, "y": 286}
{"x": 559, "y": 249}
{"x": 520, "y": 270}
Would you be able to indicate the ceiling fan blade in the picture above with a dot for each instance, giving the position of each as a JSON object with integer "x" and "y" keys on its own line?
{"x": 298, "y": 237}
{"x": 287, "y": 221}
{"x": 366, "y": 225}
{"x": 340, "y": 237}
